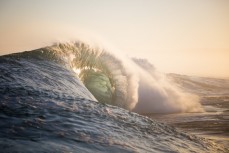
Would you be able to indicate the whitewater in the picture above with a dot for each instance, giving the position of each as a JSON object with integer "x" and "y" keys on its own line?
{"x": 75, "y": 97}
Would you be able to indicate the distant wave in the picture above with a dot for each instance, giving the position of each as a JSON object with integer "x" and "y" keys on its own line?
{"x": 201, "y": 86}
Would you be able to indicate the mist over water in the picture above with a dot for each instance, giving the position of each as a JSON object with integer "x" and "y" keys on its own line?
{"x": 157, "y": 94}
{"x": 160, "y": 96}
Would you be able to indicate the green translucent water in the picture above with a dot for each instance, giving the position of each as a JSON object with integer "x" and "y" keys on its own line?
{"x": 99, "y": 85}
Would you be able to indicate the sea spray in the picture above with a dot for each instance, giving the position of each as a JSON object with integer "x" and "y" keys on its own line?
{"x": 135, "y": 83}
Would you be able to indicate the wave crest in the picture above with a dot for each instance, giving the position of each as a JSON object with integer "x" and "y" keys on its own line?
{"x": 132, "y": 84}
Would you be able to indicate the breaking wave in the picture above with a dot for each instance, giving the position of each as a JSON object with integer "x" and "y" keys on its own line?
{"x": 130, "y": 83}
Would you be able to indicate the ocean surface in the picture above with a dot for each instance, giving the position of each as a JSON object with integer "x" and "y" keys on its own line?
{"x": 214, "y": 122}
{"x": 77, "y": 98}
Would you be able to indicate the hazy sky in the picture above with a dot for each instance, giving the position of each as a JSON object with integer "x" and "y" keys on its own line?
{"x": 181, "y": 36}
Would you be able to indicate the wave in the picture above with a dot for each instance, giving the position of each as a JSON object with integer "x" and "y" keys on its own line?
{"x": 130, "y": 83}
{"x": 45, "y": 107}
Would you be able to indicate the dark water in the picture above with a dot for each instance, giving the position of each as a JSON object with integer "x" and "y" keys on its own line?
{"x": 45, "y": 108}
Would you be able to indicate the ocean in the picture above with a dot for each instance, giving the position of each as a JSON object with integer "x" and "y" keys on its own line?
{"x": 74, "y": 97}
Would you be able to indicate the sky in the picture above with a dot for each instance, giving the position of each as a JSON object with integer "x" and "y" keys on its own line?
{"x": 188, "y": 37}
